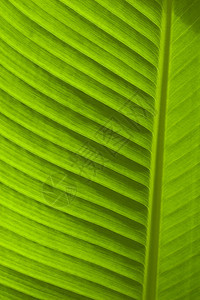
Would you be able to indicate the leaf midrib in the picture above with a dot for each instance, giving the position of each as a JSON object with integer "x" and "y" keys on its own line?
{"x": 152, "y": 250}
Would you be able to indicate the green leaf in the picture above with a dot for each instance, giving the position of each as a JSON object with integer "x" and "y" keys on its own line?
{"x": 99, "y": 156}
